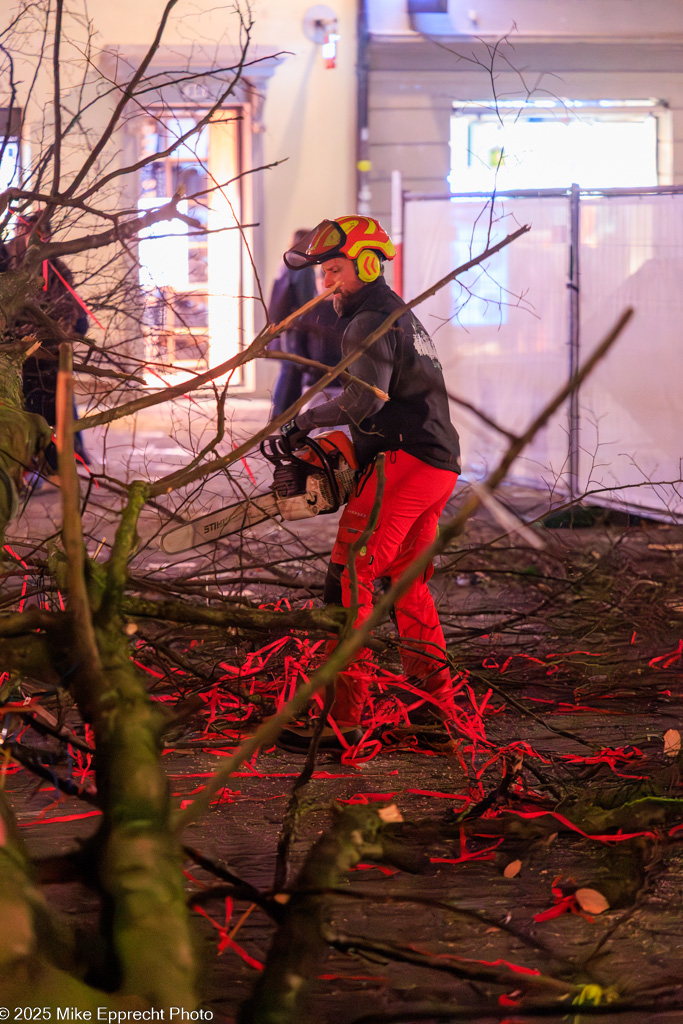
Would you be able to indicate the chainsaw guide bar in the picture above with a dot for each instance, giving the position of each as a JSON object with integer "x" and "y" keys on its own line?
{"x": 223, "y": 523}
{"x": 317, "y": 480}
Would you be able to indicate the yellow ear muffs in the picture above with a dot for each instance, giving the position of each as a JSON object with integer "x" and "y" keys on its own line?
{"x": 368, "y": 266}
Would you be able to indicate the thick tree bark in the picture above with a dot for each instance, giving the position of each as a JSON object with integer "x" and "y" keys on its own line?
{"x": 140, "y": 866}
{"x": 22, "y": 434}
{"x": 36, "y": 949}
{"x": 140, "y": 862}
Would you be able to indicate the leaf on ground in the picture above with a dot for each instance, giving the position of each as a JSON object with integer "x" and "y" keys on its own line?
{"x": 512, "y": 869}
{"x": 592, "y": 901}
{"x": 672, "y": 742}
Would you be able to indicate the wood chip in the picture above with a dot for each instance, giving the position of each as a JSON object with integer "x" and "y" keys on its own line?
{"x": 672, "y": 742}
{"x": 512, "y": 869}
{"x": 592, "y": 901}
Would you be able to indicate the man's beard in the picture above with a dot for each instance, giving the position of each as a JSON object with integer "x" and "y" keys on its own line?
{"x": 340, "y": 303}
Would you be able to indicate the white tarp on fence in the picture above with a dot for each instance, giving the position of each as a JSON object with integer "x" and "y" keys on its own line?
{"x": 503, "y": 336}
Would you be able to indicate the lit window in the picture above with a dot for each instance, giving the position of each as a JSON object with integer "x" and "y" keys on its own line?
{"x": 10, "y": 153}
{"x": 551, "y": 143}
{"x": 191, "y": 279}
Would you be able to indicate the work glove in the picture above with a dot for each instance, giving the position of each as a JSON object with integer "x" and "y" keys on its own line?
{"x": 293, "y": 434}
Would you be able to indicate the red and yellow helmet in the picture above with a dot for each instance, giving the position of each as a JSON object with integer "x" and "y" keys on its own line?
{"x": 361, "y": 239}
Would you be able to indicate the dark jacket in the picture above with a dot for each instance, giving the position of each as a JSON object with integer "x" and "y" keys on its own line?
{"x": 404, "y": 364}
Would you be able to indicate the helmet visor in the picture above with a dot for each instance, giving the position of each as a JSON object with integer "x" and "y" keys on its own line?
{"x": 322, "y": 243}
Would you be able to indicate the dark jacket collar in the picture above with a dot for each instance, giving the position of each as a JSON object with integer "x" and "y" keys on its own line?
{"x": 376, "y": 296}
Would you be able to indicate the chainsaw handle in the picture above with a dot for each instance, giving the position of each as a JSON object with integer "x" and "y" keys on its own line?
{"x": 277, "y": 448}
{"x": 324, "y": 460}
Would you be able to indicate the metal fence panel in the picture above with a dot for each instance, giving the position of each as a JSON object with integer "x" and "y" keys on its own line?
{"x": 501, "y": 331}
{"x": 631, "y": 427}
{"x": 503, "y": 335}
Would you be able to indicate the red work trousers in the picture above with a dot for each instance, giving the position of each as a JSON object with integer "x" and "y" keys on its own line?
{"x": 415, "y": 494}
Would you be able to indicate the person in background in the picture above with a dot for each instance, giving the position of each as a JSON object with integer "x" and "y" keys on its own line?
{"x": 39, "y": 371}
{"x": 421, "y": 465}
{"x": 317, "y": 334}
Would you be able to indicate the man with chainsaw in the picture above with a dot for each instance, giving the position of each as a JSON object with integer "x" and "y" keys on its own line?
{"x": 421, "y": 461}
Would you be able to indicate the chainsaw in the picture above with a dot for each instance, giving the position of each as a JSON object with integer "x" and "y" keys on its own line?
{"x": 317, "y": 480}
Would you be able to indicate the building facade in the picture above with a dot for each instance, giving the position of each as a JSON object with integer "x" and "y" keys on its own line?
{"x": 332, "y": 99}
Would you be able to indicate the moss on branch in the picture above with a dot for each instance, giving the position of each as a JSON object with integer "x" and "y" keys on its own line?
{"x": 329, "y": 618}
{"x": 22, "y": 434}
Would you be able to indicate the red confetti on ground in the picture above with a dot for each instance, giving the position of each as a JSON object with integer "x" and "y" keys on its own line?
{"x": 225, "y": 940}
{"x": 276, "y": 670}
{"x": 563, "y": 904}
